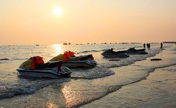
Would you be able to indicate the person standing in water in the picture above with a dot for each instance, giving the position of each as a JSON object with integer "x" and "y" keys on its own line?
{"x": 148, "y": 45}
{"x": 144, "y": 45}
{"x": 161, "y": 45}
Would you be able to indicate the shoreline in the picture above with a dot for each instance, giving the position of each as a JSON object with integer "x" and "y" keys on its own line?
{"x": 122, "y": 95}
{"x": 85, "y": 92}
{"x": 141, "y": 94}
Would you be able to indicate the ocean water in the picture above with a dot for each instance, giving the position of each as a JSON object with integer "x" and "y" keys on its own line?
{"x": 92, "y": 87}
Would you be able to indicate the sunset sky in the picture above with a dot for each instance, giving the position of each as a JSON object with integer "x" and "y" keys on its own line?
{"x": 83, "y": 21}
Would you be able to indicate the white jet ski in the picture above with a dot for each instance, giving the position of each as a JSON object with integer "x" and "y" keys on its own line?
{"x": 44, "y": 70}
{"x": 85, "y": 61}
{"x": 88, "y": 63}
{"x": 44, "y": 73}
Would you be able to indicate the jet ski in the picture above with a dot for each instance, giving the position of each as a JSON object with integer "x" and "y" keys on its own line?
{"x": 85, "y": 61}
{"x": 79, "y": 62}
{"x": 136, "y": 51}
{"x": 44, "y": 73}
{"x": 43, "y": 70}
{"x": 88, "y": 63}
{"x": 114, "y": 54}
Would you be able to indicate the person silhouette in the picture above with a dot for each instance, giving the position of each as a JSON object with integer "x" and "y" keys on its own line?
{"x": 161, "y": 45}
{"x": 144, "y": 45}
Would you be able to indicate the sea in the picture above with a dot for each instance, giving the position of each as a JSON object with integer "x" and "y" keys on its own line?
{"x": 133, "y": 82}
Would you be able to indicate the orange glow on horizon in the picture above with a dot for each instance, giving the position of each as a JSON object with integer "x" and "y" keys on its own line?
{"x": 88, "y": 21}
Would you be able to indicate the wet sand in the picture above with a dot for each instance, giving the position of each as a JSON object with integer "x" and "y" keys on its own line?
{"x": 157, "y": 90}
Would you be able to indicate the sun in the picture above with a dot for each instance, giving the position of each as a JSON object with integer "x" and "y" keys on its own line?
{"x": 57, "y": 11}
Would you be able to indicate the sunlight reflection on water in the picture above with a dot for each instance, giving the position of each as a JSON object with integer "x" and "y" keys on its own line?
{"x": 58, "y": 49}
{"x": 72, "y": 97}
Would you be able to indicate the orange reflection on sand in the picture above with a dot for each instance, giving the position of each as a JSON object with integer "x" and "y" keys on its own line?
{"x": 58, "y": 49}
{"x": 51, "y": 105}
{"x": 72, "y": 97}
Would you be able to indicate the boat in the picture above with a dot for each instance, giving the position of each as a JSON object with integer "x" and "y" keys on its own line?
{"x": 88, "y": 63}
{"x": 44, "y": 73}
{"x": 85, "y": 61}
{"x": 72, "y": 61}
{"x": 114, "y": 54}
{"x": 136, "y": 51}
{"x": 44, "y": 70}
{"x": 65, "y": 44}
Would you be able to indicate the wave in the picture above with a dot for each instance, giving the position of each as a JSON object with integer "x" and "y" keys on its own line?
{"x": 95, "y": 96}
{"x": 149, "y": 70}
{"x": 96, "y": 72}
{"x": 89, "y": 51}
{"x": 112, "y": 88}
{"x": 25, "y": 58}
{"x": 28, "y": 86}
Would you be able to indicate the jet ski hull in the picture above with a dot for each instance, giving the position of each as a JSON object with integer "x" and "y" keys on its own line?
{"x": 136, "y": 51}
{"x": 115, "y": 55}
{"x": 80, "y": 64}
{"x": 47, "y": 73}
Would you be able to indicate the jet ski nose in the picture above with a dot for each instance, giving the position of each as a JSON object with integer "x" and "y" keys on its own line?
{"x": 66, "y": 69}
